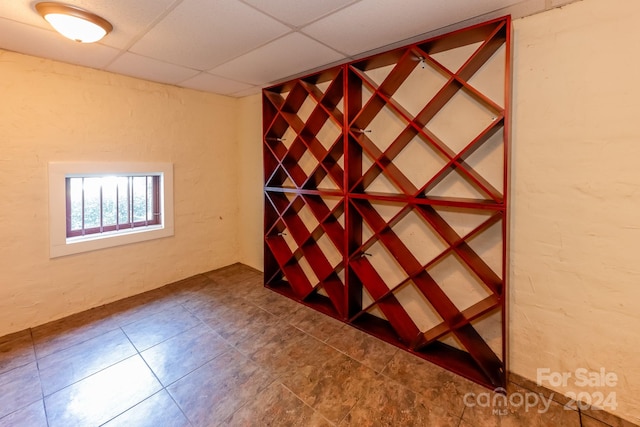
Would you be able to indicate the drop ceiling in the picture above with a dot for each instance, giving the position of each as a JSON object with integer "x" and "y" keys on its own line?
{"x": 236, "y": 47}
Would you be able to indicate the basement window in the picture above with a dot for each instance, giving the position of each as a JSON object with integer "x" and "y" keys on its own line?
{"x": 112, "y": 203}
{"x": 99, "y": 205}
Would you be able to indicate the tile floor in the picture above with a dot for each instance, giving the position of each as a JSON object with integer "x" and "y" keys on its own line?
{"x": 219, "y": 349}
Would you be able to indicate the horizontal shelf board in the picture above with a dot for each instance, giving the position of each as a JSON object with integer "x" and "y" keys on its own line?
{"x": 487, "y": 305}
{"x": 302, "y": 191}
{"x": 315, "y": 78}
{"x": 431, "y": 200}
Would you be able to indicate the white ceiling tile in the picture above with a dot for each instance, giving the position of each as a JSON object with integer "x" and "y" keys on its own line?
{"x": 524, "y": 8}
{"x": 371, "y": 24}
{"x": 201, "y": 34}
{"x": 49, "y": 44}
{"x": 128, "y": 17}
{"x": 22, "y": 11}
{"x": 247, "y": 44}
{"x": 284, "y": 57}
{"x": 210, "y": 83}
{"x": 134, "y": 65}
{"x": 297, "y": 13}
{"x": 558, "y": 3}
{"x": 254, "y": 90}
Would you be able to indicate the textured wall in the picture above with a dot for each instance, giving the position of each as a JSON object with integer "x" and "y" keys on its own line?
{"x": 575, "y": 300}
{"x": 56, "y": 112}
{"x": 250, "y": 181}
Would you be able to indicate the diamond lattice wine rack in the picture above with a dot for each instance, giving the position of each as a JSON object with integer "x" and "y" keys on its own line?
{"x": 385, "y": 196}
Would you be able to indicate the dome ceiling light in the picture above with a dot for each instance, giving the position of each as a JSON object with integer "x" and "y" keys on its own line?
{"x": 74, "y": 23}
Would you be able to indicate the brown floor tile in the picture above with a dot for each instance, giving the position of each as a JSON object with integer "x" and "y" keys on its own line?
{"x": 158, "y": 410}
{"x": 276, "y": 304}
{"x": 194, "y": 292}
{"x": 161, "y": 326}
{"x": 232, "y": 352}
{"x": 30, "y": 416}
{"x": 274, "y": 340}
{"x": 177, "y": 356}
{"x": 276, "y": 406}
{"x": 523, "y": 382}
{"x": 586, "y": 421}
{"x": 183, "y": 290}
{"x": 605, "y": 417}
{"x": 208, "y": 298}
{"x": 589, "y": 416}
{"x": 218, "y": 314}
{"x": 213, "y": 392}
{"x": 139, "y": 307}
{"x": 233, "y": 273}
{"x": 256, "y": 292}
{"x": 441, "y": 388}
{"x": 249, "y": 288}
{"x": 19, "y": 387}
{"x": 72, "y": 364}
{"x": 294, "y": 356}
{"x": 224, "y": 305}
{"x": 315, "y": 323}
{"x": 244, "y": 323}
{"x": 16, "y": 350}
{"x": 331, "y": 388}
{"x": 387, "y": 403}
{"x": 72, "y": 330}
{"x": 512, "y": 410}
{"x": 363, "y": 347}
{"x": 101, "y": 397}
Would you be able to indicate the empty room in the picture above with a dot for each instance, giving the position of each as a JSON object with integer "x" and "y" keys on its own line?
{"x": 305, "y": 213}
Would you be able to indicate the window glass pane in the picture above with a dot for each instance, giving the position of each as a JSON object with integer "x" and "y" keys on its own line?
{"x": 92, "y": 202}
{"x": 123, "y": 200}
{"x": 109, "y": 200}
{"x": 139, "y": 198}
{"x": 75, "y": 194}
{"x": 111, "y": 203}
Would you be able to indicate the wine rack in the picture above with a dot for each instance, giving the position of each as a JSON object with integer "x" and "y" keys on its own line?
{"x": 386, "y": 196}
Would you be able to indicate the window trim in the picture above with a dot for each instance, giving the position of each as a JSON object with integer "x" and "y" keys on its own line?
{"x": 61, "y": 245}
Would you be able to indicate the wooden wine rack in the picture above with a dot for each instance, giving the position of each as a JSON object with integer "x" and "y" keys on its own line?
{"x": 386, "y": 196}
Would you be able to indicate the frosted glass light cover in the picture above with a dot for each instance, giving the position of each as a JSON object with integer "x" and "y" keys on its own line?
{"x": 76, "y": 29}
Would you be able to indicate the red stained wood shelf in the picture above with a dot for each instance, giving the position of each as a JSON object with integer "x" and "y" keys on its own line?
{"x": 386, "y": 183}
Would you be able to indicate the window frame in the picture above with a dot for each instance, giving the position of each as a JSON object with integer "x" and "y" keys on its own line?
{"x": 118, "y": 227}
{"x": 61, "y": 244}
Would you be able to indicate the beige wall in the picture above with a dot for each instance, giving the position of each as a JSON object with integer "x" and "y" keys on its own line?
{"x": 575, "y": 223}
{"x": 250, "y": 181}
{"x": 575, "y": 195}
{"x": 56, "y": 112}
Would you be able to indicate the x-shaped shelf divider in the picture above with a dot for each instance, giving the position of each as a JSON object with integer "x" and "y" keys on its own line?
{"x": 307, "y": 243}
{"x": 476, "y": 310}
{"x": 416, "y": 126}
{"x": 304, "y": 110}
{"x": 288, "y": 165}
{"x": 287, "y": 159}
{"x": 475, "y": 345}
